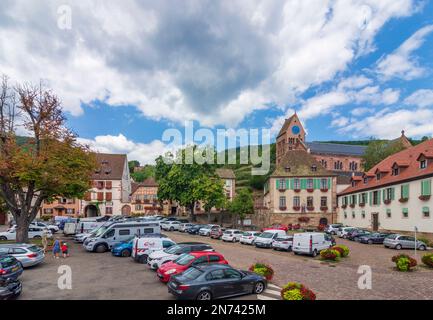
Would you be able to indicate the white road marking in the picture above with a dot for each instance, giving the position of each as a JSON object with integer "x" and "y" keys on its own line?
{"x": 273, "y": 286}
{"x": 261, "y": 297}
{"x": 277, "y": 293}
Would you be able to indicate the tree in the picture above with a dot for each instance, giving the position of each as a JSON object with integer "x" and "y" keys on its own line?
{"x": 242, "y": 204}
{"x": 147, "y": 172}
{"x": 378, "y": 150}
{"x": 132, "y": 164}
{"x": 48, "y": 164}
{"x": 210, "y": 190}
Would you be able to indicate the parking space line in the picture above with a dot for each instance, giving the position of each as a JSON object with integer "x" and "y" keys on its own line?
{"x": 273, "y": 286}
{"x": 277, "y": 293}
{"x": 261, "y": 297}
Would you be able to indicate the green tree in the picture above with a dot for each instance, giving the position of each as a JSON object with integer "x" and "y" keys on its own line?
{"x": 48, "y": 165}
{"x": 210, "y": 190}
{"x": 242, "y": 204}
{"x": 132, "y": 164}
{"x": 147, "y": 172}
{"x": 378, "y": 150}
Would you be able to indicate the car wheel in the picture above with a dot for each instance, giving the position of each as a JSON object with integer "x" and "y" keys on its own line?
{"x": 314, "y": 253}
{"x": 398, "y": 247}
{"x": 370, "y": 241}
{"x": 259, "y": 287}
{"x": 234, "y": 240}
{"x": 143, "y": 258}
{"x": 2, "y": 238}
{"x": 422, "y": 247}
{"x": 125, "y": 253}
{"x": 204, "y": 295}
{"x": 101, "y": 248}
{"x": 171, "y": 229}
{"x": 37, "y": 237}
{"x": 289, "y": 249}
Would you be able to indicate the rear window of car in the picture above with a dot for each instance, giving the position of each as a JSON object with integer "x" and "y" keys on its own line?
{"x": 6, "y": 262}
{"x": 227, "y": 232}
{"x": 192, "y": 273}
{"x": 246, "y": 234}
{"x": 392, "y": 236}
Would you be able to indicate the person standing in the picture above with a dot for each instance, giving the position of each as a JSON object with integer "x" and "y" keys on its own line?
{"x": 56, "y": 249}
{"x": 65, "y": 250}
{"x": 45, "y": 239}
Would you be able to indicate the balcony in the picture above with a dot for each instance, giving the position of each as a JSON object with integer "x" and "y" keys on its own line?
{"x": 310, "y": 190}
{"x": 324, "y": 189}
{"x": 283, "y": 208}
{"x": 296, "y": 208}
{"x": 310, "y": 208}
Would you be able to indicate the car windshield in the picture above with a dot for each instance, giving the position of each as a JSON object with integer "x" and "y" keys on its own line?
{"x": 184, "y": 259}
{"x": 266, "y": 235}
{"x": 192, "y": 273}
{"x": 173, "y": 249}
{"x": 99, "y": 232}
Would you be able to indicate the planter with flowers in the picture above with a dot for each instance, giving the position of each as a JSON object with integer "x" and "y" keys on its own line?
{"x": 330, "y": 255}
{"x": 387, "y": 201}
{"x": 324, "y": 189}
{"x": 404, "y": 262}
{"x": 352, "y": 205}
{"x": 310, "y": 208}
{"x": 297, "y": 190}
{"x": 403, "y": 200}
{"x": 342, "y": 249}
{"x": 310, "y": 190}
{"x": 263, "y": 270}
{"x": 344, "y": 206}
{"x": 427, "y": 259}
{"x": 362, "y": 204}
{"x": 296, "y": 208}
{"x": 424, "y": 198}
{"x": 324, "y": 208}
{"x": 297, "y": 291}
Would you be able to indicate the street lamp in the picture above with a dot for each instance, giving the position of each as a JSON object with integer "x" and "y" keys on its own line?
{"x": 416, "y": 229}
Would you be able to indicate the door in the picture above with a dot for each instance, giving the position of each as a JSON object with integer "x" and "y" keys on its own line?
{"x": 124, "y": 234}
{"x": 375, "y": 221}
{"x": 409, "y": 243}
{"x": 110, "y": 237}
{"x": 233, "y": 282}
{"x": 216, "y": 280}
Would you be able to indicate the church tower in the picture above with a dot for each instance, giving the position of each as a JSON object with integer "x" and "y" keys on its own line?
{"x": 290, "y": 137}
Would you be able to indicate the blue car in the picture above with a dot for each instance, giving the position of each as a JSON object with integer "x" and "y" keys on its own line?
{"x": 123, "y": 249}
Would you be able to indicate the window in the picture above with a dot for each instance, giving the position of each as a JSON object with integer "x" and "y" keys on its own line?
{"x": 426, "y": 212}
{"x": 365, "y": 180}
{"x": 282, "y": 184}
{"x": 48, "y": 211}
{"x": 109, "y": 210}
{"x": 395, "y": 171}
{"x": 353, "y": 166}
{"x": 426, "y": 187}
{"x": 282, "y": 202}
{"x": 108, "y": 196}
{"x": 378, "y": 176}
{"x": 363, "y": 198}
{"x": 296, "y": 201}
{"x": 338, "y": 165}
{"x": 70, "y": 211}
{"x": 100, "y": 196}
{"x": 405, "y": 212}
{"x": 200, "y": 260}
{"x": 214, "y": 258}
{"x": 345, "y": 215}
{"x": 310, "y": 184}
{"x": 232, "y": 274}
{"x": 138, "y": 207}
{"x": 287, "y": 169}
{"x": 363, "y": 214}
{"x": 423, "y": 164}
{"x": 344, "y": 201}
{"x": 353, "y": 214}
{"x": 124, "y": 232}
{"x": 353, "y": 199}
{"x": 310, "y": 202}
{"x": 324, "y": 163}
{"x": 324, "y": 183}
{"x": 314, "y": 168}
{"x": 109, "y": 234}
{"x": 214, "y": 275}
{"x": 376, "y": 197}
{"x": 167, "y": 244}
{"x": 323, "y": 201}
{"x": 100, "y": 184}
{"x": 296, "y": 184}
{"x": 388, "y": 213}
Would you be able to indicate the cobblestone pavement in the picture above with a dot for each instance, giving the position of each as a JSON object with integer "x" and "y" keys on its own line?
{"x": 333, "y": 280}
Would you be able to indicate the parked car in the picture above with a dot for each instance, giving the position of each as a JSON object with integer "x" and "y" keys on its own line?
{"x": 27, "y": 254}
{"x": 283, "y": 243}
{"x": 207, "y": 282}
{"x": 10, "y": 267}
{"x": 170, "y": 225}
{"x": 34, "y": 233}
{"x": 157, "y": 258}
{"x": 206, "y": 230}
{"x": 52, "y": 227}
{"x": 278, "y": 226}
{"x": 183, "y": 227}
{"x": 217, "y": 233}
{"x": 232, "y": 235}
{"x": 145, "y": 245}
{"x": 333, "y": 228}
{"x": 265, "y": 239}
{"x": 183, "y": 220}
{"x": 398, "y": 241}
{"x": 248, "y": 237}
{"x": 373, "y": 238}
{"x": 344, "y": 231}
{"x": 194, "y": 229}
{"x": 186, "y": 260}
{"x": 9, "y": 288}
{"x": 354, "y": 235}
{"x": 311, "y": 243}
{"x": 124, "y": 248}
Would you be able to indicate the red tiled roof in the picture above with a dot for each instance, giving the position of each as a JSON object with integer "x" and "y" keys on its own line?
{"x": 150, "y": 182}
{"x": 109, "y": 166}
{"x": 407, "y": 156}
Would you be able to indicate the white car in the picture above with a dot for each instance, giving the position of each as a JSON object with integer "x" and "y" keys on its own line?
{"x": 205, "y": 230}
{"x": 184, "y": 226}
{"x": 248, "y": 237}
{"x": 232, "y": 235}
{"x": 52, "y": 227}
{"x": 342, "y": 232}
{"x": 34, "y": 233}
{"x": 283, "y": 243}
{"x": 333, "y": 228}
{"x": 170, "y": 225}
{"x": 265, "y": 239}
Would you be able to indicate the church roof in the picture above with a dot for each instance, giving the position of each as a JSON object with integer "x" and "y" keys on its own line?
{"x": 286, "y": 125}
{"x": 299, "y": 163}
{"x": 336, "y": 149}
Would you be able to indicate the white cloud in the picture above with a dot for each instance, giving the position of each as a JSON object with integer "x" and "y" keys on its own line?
{"x": 401, "y": 63}
{"x": 354, "y": 82}
{"x": 340, "y": 122}
{"x": 214, "y": 62}
{"x": 421, "y": 98}
{"x": 357, "y": 112}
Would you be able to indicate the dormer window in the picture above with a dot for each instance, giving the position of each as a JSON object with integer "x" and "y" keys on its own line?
{"x": 395, "y": 171}
{"x": 378, "y": 176}
{"x": 365, "y": 180}
{"x": 314, "y": 168}
{"x": 287, "y": 169}
{"x": 423, "y": 164}
{"x": 353, "y": 183}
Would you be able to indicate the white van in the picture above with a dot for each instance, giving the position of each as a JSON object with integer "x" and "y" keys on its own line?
{"x": 145, "y": 245}
{"x": 311, "y": 243}
{"x": 265, "y": 239}
{"x": 115, "y": 232}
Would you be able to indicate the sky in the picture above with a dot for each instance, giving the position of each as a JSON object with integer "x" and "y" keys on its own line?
{"x": 128, "y": 70}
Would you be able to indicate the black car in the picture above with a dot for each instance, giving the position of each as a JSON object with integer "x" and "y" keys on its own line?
{"x": 354, "y": 235}
{"x": 9, "y": 288}
{"x": 194, "y": 229}
{"x": 373, "y": 238}
{"x": 10, "y": 267}
{"x": 213, "y": 281}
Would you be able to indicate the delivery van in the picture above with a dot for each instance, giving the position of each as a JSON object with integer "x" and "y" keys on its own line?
{"x": 311, "y": 243}
{"x": 144, "y": 245}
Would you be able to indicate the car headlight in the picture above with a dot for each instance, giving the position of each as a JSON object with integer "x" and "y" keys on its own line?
{"x": 171, "y": 271}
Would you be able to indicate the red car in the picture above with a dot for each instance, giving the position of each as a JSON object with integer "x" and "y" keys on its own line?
{"x": 276, "y": 227}
{"x": 187, "y": 260}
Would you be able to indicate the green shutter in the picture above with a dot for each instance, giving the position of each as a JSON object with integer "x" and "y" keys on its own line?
{"x": 378, "y": 197}
{"x": 366, "y": 197}
{"x": 303, "y": 184}
{"x": 384, "y": 194}
{"x": 360, "y": 198}
{"x": 371, "y": 198}
{"x": 278, "y": 184}
{"x": 316, "y": 183}
{"x": 426, "y": 187}
{"x": 405, "y": 191}
{"x": 392, "y": 193}
{"x": 425, "y": 209}
{"x": 287, "y": 184}
{"x": 329, "y": 183}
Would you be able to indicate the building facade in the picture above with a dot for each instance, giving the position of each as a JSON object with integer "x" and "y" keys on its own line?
{"x": 395, "y": 195}
{"x": 61, "y": 207}
{"x": 144, "y": 198}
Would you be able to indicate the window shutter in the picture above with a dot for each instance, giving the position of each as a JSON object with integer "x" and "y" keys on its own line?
{"x": 287, "y": 184}
{"x": 303, "y": 184}
{"x": 292, "y": 183}
{"x": 108, "y": 196}
{"x": 371, "y": 198}
{"x": 426, "y": 187}
{"x": 277, "y": 184}
{"x": 366, "y": 197}
{"x": 108, "y": 185}
{"x": 392, "y": 193}
{"x": 329, "y": 183}
{"x": 384, "y": 194}
{"x": 354, "y": 199}
{"x": 378, "y": 197}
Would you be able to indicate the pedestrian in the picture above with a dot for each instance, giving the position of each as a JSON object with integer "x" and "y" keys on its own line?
{"x": 56, "y": 249}
{"x": 65, "y": 251}
{"x": 45, "y": 239}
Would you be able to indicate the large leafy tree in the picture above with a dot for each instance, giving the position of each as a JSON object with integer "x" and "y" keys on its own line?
{"x": 210, "y": 190}
{"x": 148, "y": 171}
{"x": 49, "y": 163}
{"x": 242, "y": 204}
{"x": 378, "y": 150}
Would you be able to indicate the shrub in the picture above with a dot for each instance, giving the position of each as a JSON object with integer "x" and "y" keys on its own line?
{"x": 426, "y": 241}
{"x": 427, "y": 259}
{"x": 403, "y": 262}
{"x": 330, "y": 254}
{"x": 263, "y": 270}
{"x": 46, "y": 217}
{"x": 297, "y": 291}
{"x": 342, "y": 249}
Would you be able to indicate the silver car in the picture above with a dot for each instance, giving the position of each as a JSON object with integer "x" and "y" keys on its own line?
{"x": 398, "y": 241}
{"x": 27, "y": 254}
{"x": 283, "y": 243}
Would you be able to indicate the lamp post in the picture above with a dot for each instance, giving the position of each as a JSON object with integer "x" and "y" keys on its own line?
{"x": 416, "y": 229}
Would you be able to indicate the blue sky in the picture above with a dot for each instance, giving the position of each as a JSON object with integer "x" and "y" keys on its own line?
{"x": 127, "y": 72}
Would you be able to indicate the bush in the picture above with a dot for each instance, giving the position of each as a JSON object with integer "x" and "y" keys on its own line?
{"x": 46, "y": 217}
{"x": 342, "y": 249}
{"x": 297, "y": 291}
{"x": 427, "y": 259}
{"x": 403, "y": 262}
{"x": 426, "y": 241}
{"x": 330, "y": 254}
{"x": 263, "y": 270}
